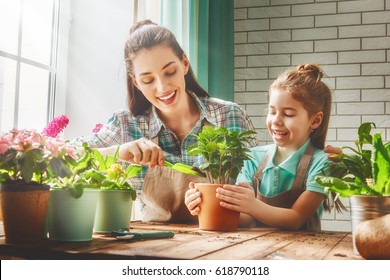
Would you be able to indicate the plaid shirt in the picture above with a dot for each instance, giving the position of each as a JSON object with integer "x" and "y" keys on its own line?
{"x": 123, "y": 127}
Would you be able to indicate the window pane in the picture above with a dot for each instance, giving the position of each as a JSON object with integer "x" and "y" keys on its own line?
{"x": 37, "y": 30}
{"x": 9, "y": 25}
{"x": 33, "y": 97}
{"x": 7, "y": 93}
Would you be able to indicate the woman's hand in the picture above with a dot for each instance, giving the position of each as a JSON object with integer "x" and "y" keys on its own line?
{"x": 331, "y": 151}
{"x": 240, "y": 197}
{"x": 192, "y": 199}
{"x": 141, "y": 151}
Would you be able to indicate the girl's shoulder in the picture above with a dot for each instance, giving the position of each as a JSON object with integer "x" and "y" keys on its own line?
{"x": 319, "y": 160}
{"x": 319, "y": 155}
{"x": 263, "y": 148}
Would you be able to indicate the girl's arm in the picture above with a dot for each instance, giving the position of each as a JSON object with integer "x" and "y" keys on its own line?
{"x": 241, "y": 198}
{"x": 245, "y": 220}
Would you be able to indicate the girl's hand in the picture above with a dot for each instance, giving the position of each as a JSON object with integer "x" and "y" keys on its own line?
{"x": 192, "y": 199}
{"x": 142, "y": 151}
{"x": 240, "y": 197}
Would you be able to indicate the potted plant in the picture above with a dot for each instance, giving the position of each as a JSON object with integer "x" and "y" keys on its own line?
{"x": 364, "y": 177}
{"x": 95, "y": 197}
{"x": 73, "y": 200}
{"x": 223, "y": 153}
{"x": 116, "y": 195}
{"x": 28, "y": 161}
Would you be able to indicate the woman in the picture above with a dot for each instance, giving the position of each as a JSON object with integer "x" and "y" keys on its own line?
{"x": 166, "y": 107}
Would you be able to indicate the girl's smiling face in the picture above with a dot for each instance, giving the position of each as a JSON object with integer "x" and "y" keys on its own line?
{"x": 159, "y": 75}
{"x": 288, "y": 122}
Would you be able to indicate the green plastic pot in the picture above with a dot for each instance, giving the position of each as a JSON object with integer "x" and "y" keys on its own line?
{"x": 71, "y": 219}
{"x": 113, "y": 211}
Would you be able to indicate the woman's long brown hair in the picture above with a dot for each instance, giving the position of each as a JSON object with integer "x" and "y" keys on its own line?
{"x": 145, "y": 35}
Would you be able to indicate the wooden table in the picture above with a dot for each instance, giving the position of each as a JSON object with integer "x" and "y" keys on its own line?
{"x": 191, "y": 243}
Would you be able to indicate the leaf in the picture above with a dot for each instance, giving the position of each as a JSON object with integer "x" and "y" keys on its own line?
{"x": 133, "y": 170}
{"x": 183, "y": 168}
{"x": 100, "y": 160}
{"x": 364, "y": 132}
{"x": 27, "y": 162}
{"x": 59, "y": 167}
{"x": 96, "y": 175}
{"x": 211, "y": 147}
{"x": 82, "y": 164}
{"x": 381, "y": 164}
{"x": 345, "y": 189}
{"x": 76, "y": 190}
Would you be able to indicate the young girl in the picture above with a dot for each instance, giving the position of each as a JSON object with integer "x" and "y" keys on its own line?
{"x": 277, "y": 188}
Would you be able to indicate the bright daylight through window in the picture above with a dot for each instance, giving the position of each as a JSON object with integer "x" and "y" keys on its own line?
{"x": 28, "y": 43}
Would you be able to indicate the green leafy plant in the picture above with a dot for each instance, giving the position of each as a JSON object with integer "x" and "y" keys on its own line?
{"x": 93, "y": 170}
{"x": 366, "y": 171}
{"x": 223, "y": 152}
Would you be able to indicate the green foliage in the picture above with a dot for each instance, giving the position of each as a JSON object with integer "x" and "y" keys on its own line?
{"x": 93, "y": 170}
{"x": 223, "y": 152}
{"x": 365, "y": 171}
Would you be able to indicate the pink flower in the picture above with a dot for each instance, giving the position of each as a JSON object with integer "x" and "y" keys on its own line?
{"x": 97, "y": 128}
{"x": 56, "y": 126}
{"x": 23, "y": 140}
{"x": 4, "y": 143}
{"x": 54, "y": 146}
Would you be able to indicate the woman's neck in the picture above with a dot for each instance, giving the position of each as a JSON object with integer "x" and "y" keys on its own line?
{"x": 183, "y": 121}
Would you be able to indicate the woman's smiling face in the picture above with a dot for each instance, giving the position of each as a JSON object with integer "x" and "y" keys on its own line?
{"x": 288, "y": 122}
{"x": 159, "y": 75}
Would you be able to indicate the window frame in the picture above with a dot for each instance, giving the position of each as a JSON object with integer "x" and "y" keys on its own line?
{"x": 51, "y": 67}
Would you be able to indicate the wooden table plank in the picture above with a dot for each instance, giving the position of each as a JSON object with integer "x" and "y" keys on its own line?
{"x": 306, "y": 246}
{"x": 184, "y": 245}
{"x": 191, "y": 243}
{"x": 256, "y": 248}
{"x": 343, "y": 250}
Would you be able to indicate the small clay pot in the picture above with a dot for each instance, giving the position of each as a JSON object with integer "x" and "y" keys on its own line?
{"x": 212, "y": 215}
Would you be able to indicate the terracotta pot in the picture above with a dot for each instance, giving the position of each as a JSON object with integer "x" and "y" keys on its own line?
{"x": 24, "y": 210}
{"x": 212, "y": 216}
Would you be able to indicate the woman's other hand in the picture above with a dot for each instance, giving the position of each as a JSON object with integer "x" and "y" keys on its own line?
{"x": 331, "y": 151}
{"x": 192, "y": 199}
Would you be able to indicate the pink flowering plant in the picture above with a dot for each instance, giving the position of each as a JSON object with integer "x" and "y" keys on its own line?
{"x": 29, "y": 156}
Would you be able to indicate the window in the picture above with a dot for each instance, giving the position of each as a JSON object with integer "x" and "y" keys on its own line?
{"x": 28, "y": 44}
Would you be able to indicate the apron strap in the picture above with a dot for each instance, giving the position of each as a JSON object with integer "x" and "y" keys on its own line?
{"x": 258, "y": 177}
{"x": 303, "y": 167}
{"x": 289, "y": 197}
{"x": 301, "y": 174}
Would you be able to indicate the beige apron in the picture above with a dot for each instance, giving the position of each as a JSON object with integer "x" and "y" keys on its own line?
{"x": 163, "y": 193}
{"x": 287, "y": 198}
